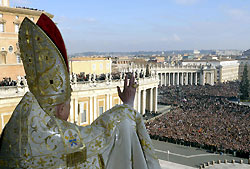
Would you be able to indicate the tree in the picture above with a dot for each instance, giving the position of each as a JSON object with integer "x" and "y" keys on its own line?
{"x": 244, "y": 85}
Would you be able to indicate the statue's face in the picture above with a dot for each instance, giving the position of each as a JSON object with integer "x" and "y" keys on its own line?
{"x": 63, "y": 110}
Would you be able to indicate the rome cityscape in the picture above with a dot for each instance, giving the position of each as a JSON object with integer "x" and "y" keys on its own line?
{"x": 193, "y": 96}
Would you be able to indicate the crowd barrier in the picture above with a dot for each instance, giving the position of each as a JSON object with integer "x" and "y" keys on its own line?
{"x": 210, "y": 148}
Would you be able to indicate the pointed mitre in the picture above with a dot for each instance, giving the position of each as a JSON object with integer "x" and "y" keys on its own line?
{"x": 45, "y": 62}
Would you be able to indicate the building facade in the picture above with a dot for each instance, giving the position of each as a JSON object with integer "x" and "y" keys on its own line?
{"x": 88, "y": 65}
{"x": 88, "y": 100}
{"x": 226, "y": 70}
{"x": 10, "y": 20}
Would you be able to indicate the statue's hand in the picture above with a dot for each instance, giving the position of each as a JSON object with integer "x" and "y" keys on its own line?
{"x": 128, "y": 94}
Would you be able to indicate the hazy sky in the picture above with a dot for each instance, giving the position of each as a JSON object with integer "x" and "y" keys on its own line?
{"x": 135, "y": 25}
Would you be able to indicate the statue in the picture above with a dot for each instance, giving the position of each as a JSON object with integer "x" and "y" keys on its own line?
{"x": 38, "y": 134}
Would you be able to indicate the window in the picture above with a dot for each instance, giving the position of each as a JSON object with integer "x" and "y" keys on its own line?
{"x": 1, "y": 27}
{"x": 18, "y": 58}
{"x": 83, "y": 112}
{"x": 16, "y": 28}
{"x": 100, "y": 110}
{"x": 32, "y": 18}
{"x": 17, "y": 17}
{"x": 83, "y": 116}
{"x": 10, "y": 49}
{"x": 3, "y": 49}
{"x": 101, "y": 66}
{"x": 107, "y": 66}
{"x": 5, "y": 3}
{"x": 93, "y": 66}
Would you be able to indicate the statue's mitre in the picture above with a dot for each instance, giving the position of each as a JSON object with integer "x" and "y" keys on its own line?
{"x": 45, "y": 62}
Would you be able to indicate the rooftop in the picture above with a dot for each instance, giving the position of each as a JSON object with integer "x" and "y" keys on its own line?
{"x": 88, "y": 58}
{"x": 24, "y": 10}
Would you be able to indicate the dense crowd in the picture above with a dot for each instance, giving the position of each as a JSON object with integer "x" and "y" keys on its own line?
{"x": 204, "y": 115}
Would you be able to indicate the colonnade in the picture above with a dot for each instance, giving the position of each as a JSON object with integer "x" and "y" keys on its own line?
{"x": 186, "y": 78}
{"x": 202, "y": 75}
{"x": 179, "y": 78}
{"x": 146, "y": 100}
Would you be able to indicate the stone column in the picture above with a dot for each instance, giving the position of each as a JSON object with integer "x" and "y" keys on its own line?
{"x": 107, "y": 102}
{"x": 173, "y": 78}
{"x": 76, "y": 111}
{"x": 151, "y": 100}
{"x": 169, "y": 79}
{"x": 195, "y": 78}
{"x": 212, "y": 78}
{"x": 186, "y": 78}
{"x": 91, "y": 109}
{"x": 110, "y": 101}
{"x": 162, "y": 79}
{"x": 94, "y": 110}
{"x": 143, "y": 102}
{"x": 166, "y": 79}
{"x": 138, "y": 100}
{"x": 177, "y": 80}
{"x": 155, "y": 99}
{"x": 220, "y": 74}
{"x": 182, "y": 74}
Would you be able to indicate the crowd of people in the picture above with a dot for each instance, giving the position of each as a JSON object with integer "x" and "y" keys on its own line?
{"x": 204, "y": 116}
{"x": 8, "y": 82}
{"x": 82, "y": 77}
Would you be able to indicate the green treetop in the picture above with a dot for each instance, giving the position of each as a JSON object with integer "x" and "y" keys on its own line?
{"x": 244, "y": 85}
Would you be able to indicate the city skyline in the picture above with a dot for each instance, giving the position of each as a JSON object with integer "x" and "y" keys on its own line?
{"x": 160, "y": 25}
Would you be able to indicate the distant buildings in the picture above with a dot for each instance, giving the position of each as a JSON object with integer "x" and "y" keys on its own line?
{"x": 10, "y": 20}
{"x": 228, "y": 52}
{"x": 89, "y": 65}
{"x": 226, "y": 70}
{"x": 157, "y": 59}
{"x": 196, "y": 52}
